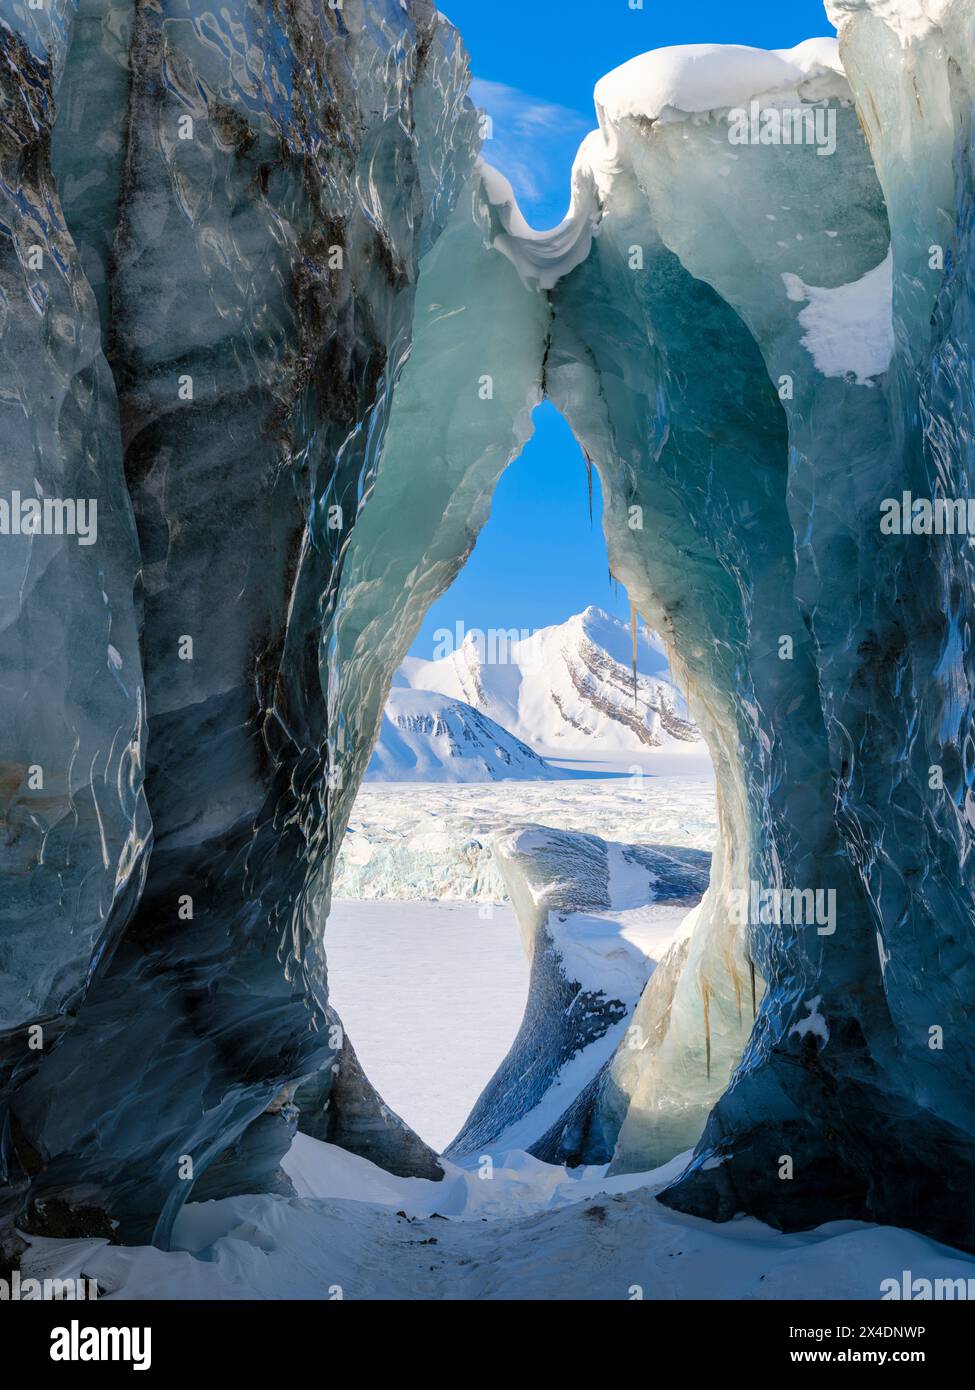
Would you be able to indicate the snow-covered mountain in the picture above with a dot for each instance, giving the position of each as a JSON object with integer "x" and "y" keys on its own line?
{"x": 569, "y": 686}
{"x": 430, "y": 737}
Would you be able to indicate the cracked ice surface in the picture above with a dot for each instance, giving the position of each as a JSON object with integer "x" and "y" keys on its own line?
{"x": 429, "y": 841}
{"x": 265, "y": 265}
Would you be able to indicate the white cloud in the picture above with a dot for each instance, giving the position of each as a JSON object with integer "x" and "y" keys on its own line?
{"x": 533, "y": 141}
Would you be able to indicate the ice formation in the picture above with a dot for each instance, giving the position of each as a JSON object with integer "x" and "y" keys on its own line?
{"x": 222, "y": 304}
{"x": 287, "y": 331}
{"x": 592, "y": 942}
{"x": 413, "y": 841}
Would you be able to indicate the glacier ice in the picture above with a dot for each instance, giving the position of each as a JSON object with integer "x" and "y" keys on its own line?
{"x": 410, "y": 841}
{"x": 270, "y": 182}
{"x": 287, "y": 331}
{"x": 590, "y": 956}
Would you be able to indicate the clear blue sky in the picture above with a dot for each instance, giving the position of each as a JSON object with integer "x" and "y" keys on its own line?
{"x": 535, "y": 64}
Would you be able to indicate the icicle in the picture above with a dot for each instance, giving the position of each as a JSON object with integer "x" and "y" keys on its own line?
{"x": 707, "y": 1028}
{"x": 751, "y": 970}
{"x": 589, "y": 477}
{"x": 633, "y": 618}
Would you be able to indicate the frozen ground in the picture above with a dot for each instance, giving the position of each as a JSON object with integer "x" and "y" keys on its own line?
{"x": 529, "y": 1231}
{"x": 432, "y": 995}
{"x": 420, "y": 840}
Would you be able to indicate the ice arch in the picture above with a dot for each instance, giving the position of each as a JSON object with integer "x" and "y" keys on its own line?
{"x": 486, "y": 346}
{"x": 708, "y": 378}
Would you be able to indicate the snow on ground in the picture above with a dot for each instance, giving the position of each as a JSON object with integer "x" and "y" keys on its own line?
{"x": 414, "y": 840}
{"x": 530, "y": 1231}
{"x": 426, "y": 966}
{"x": 432, "y": 995}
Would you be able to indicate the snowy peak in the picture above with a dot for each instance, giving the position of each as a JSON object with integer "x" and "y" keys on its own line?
{"x": 565, "y": 687}
{"x": 430, "y": 737}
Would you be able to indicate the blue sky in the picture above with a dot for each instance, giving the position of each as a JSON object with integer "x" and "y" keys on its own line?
{"x": 535, "y": 63}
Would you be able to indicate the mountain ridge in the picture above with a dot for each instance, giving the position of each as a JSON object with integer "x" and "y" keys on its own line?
{"x": 567, "y": 685}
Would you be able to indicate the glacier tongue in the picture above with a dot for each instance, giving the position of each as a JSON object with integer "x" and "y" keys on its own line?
{"x": 414, "y": 841}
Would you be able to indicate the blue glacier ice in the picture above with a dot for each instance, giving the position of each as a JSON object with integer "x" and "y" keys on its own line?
{"x": 226, "y": 305}
{"x": 590, "y": 956}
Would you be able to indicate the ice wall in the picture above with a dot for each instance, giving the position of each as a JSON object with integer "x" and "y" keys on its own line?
{"x": 75, "y": 829}
{"x": 706, "y": 214}
{"x": 763, "y": 341}
{"x": 461, "y": 413}
{"x": 870, "y": 1095}
{"x": 268, "y": 179}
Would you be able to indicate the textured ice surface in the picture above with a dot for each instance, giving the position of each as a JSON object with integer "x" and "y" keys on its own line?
{"x": 896, "y": 692}
{"x": 586, "y": 915}
{"x": 414, "y": 841}
{"x": 764, "y": 475}
{"x": 267, "y": 184}
{"x": 74, "y": 825}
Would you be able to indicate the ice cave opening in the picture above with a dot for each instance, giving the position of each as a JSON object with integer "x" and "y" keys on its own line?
{"x": 532, "y": 834}
{"x": 289, "y": 335}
